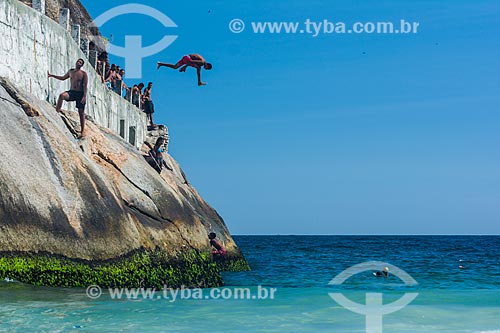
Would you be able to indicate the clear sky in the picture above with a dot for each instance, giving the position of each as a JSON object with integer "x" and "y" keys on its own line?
{"x": 334, "y": 134}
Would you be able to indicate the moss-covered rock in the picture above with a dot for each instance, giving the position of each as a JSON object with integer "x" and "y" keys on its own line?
{"x": 142, "y": 269}
{"x": 231, "y": 264}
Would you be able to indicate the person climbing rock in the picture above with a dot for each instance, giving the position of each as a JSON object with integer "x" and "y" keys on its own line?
{"x": 219, "y": 251}
{"x": 77, "y": 93}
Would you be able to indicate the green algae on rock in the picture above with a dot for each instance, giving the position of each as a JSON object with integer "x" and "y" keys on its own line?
{"x": 145, "y": 269}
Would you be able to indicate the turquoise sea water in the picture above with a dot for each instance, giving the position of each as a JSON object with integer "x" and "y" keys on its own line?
{"x": 450, "y": 298}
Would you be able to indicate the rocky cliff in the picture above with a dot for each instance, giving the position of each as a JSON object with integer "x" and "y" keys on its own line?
{"x": 93, "y": 201}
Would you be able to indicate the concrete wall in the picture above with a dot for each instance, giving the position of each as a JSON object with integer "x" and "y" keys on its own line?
{"x": 31, "y": 44}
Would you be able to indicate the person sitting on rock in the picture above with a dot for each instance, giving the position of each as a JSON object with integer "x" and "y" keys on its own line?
{"x": 193, "y": 60}
{"x": 157, "y": 152}
{"x": 219, "y": 251}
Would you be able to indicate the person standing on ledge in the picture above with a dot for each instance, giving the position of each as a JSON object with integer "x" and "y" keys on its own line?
{"x": 192, "y": 60}
{"x": 77, "y": 93}
{"x": 149, "y": 107}
{"x": 219, "y": 248}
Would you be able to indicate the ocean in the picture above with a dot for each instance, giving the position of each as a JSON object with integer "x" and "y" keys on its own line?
{"x": 297, "y": 284}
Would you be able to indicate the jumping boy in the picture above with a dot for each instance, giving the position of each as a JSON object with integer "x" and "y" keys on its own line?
{"x": 192, "y": 60}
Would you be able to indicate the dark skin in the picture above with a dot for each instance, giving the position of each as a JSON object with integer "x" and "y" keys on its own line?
{"x": 197, "y": 61}
{"x": 159, "y": 154}
{"x": 78, "y": 82}
{"x": 216, "y": 244}
{"x": 135, "y": 90}
{"x": 147, "y": 96}
{"x": 101, "y": 62}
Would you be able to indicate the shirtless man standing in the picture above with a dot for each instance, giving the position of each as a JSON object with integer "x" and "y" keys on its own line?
{"x": 77, "y": 92}
{"x": 193, "y": 60}
{"x": 147, "y": 102}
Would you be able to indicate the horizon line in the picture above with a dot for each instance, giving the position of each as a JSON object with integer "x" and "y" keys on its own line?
{"x": 278, "y": 234}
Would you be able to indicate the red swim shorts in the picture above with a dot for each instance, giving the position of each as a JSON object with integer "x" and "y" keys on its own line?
{"x": 221, "y": 252}
{"x": 186, "y": 60}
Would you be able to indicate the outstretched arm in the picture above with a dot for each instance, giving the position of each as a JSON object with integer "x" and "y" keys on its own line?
{"x": 85, "y": 84}
{"x": 198, "y": 72}
{"x": 62, "y": 78}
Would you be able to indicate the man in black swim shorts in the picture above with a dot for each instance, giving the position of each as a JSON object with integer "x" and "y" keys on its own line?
{"x": 77, "y": 93}
{"x": 147, "y": 101}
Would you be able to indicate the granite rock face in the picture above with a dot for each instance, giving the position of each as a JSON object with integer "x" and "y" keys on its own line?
{"x": 94, "y": 199}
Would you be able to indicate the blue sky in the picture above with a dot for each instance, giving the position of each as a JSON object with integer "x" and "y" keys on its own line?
{"x": 334, "y": 134}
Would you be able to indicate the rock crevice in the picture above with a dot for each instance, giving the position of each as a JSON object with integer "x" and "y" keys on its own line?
{"x": 96, "y": 203}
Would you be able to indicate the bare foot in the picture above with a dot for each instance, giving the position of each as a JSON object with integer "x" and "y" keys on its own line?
{"x": 202, "y": 83}
{"x": 183, "y": 69}
{"x": 158, "y": 65}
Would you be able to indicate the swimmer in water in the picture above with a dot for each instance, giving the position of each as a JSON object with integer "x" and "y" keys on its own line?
{"x": 384, "y": 273}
